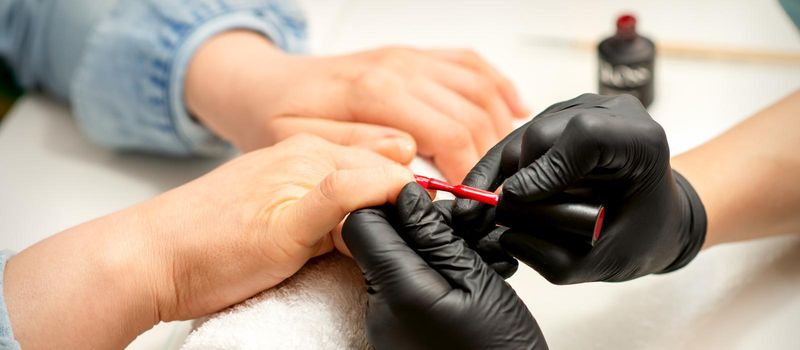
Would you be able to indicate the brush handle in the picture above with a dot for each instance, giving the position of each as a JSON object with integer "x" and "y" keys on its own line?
{"x": 563, "y": 213}
{"x": 459, "y": 191}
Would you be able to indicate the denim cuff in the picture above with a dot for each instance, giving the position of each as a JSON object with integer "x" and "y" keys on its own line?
{"x": 128, "y": 91}
{"x": 7, "y": 341}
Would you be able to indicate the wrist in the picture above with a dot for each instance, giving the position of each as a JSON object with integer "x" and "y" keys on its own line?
{"x": 231, "y": 80}
{"x": 693, "y": 169}
{"x": 693, "y": 222}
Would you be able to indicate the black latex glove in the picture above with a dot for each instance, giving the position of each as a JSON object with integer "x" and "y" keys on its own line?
{"x": 427, "y": 289}
{"x": 485, "y": 242}
{"x": 611, "y": 151}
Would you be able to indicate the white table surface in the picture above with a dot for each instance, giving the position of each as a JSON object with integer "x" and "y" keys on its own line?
{"x": 740, "y": 296}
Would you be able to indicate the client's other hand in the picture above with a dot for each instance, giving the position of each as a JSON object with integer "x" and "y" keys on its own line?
{"x": 450, "y": 105}
{"x": 427, "y": 289}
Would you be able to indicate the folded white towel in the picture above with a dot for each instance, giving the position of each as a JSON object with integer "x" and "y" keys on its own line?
{"x": 321, "y": 307}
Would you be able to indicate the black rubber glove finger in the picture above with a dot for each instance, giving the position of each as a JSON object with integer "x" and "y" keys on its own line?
{"x": 491, "y": 171}
{"x": 584, "y": 100}
{"x": 388, "y": 263}
{"x": 487, "y": 246}
{"x": 426, "y": 231}
{"x": 610, "y": 151}
{"x": 554, "y": 261}
{"x": 510, "y": 157}
{"x": 486, "y": 175}
{"x": 445, "y": 207}
{"x": 539, "y": 137}
{"x": 493, "y": 254}
{"x": 468, "y": 306}
{"x": 576, "y": 153}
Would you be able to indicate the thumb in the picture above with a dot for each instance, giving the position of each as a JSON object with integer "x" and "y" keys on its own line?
{"x": 425, "y": 229}
{"x": 389, "y": 265}
{"x": 321, "y": 210}
{"x": 389, "y": 142}
{"x": 576, "y": 153}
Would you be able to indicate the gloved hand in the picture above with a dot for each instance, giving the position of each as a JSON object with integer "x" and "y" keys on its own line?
{"x": 485, "y": 242}
{"x": 427, "y": 289}
{"x": 611, "y": 151}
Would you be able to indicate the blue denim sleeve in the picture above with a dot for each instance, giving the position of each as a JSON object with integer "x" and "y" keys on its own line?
{"x": 128, "y": 88}
{"x": 42, "y": 41}
{"x": 7, "y": 341}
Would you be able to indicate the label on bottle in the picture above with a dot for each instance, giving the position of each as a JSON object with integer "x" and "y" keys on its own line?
{"x": 624, "y": 76}
{"x": 634, "y": 79}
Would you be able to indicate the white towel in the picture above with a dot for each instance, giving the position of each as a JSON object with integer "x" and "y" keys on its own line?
{"x": 321, "y": 307}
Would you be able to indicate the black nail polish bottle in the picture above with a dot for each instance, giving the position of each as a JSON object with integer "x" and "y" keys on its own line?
{"x": 626, "y": 62}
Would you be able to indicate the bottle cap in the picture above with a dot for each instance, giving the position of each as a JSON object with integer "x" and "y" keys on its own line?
{"x": 626, "y": 26}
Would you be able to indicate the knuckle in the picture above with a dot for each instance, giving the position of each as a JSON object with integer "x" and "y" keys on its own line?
{"x": 394, "y": 56}
{"x": 329, "y": 186}
{"x": 655, "y": 135}
{"x": 536, "y": 140}
{"x": 470, "y": 55}
{"x": 535, "y": 132}
{"x": 587, "y": 123}
{"x": 625, "y": 99}
{"x": 485, "y": 87}
{"x": 376, "y": 80}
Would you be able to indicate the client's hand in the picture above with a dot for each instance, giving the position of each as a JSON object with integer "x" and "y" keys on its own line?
{"x": 197, "y": 249}
{"x": 255, "y": 221}
{"x": 427, "y": 289}
{"x": 451, "y": 102}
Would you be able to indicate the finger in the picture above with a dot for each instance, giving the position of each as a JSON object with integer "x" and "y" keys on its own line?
{"x": 540, "y": 135}
{"x": 389, "y": 142}
{"x": 453, "y": 105}
{"x": 487, "y": 245}
{"x": 425, "y": 230}
{"x": 387, "y": 262}
{"x": 492, "y": 253}
{"x": 553, "y": 261}
{"x": 473, "y": 86}
{"x": 475, "y": 62}
{"x": 576, "y": 153}
{"x": 486, "y": 175}
{"x": 314, "y": 215}
{"x": 338, "y": 241}
{"x": 324, "y": 153}
{"x": 449, "y": 143}
{"x": 511, "y": 157}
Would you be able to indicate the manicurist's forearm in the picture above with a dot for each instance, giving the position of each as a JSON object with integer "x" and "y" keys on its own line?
{"x": 749, "y": 177}
{"x": 84, "y": 288}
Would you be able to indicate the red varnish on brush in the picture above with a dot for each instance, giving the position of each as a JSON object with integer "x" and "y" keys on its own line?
{"x": 564, "y": 213}
{"x": 459, "y": 191}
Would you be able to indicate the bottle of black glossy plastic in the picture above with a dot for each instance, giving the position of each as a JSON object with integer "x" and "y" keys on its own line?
{"x": 626, "y": 62}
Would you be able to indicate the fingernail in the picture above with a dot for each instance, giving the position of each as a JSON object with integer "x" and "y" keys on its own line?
{"x": 525, "y": 111}
{"x": 406, "y": 145}
{"x": 399, "y": 148}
